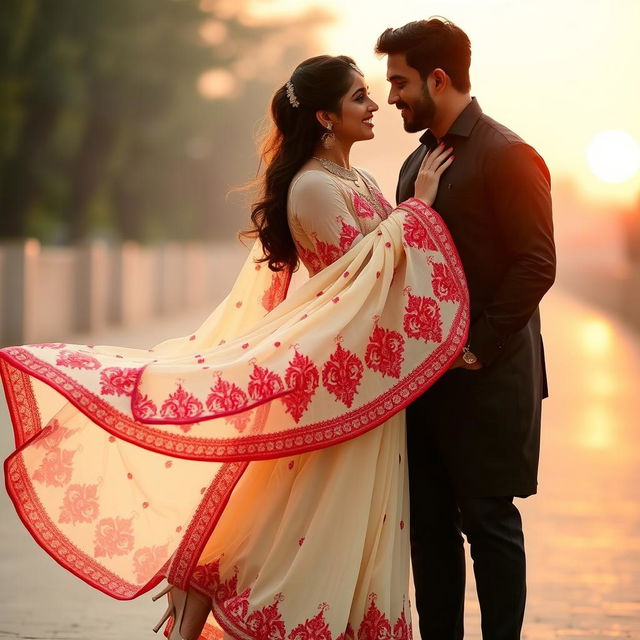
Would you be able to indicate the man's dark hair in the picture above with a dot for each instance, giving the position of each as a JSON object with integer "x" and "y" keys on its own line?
{"x": 431, "y": 44}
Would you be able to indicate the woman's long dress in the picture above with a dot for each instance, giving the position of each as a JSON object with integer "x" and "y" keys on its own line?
{"x": 228, "y": 459}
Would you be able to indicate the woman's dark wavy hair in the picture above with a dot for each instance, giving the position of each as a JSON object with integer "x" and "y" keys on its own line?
{"x": 319, "y": 83}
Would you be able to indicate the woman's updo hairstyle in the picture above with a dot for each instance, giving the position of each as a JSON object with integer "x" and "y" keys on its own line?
{"x": 318, "y": 83}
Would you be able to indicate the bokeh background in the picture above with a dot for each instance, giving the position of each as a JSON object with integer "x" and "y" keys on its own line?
{"x": 125, "y": 126}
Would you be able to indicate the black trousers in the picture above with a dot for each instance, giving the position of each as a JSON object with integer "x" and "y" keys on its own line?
{"x": 493, "y": 528}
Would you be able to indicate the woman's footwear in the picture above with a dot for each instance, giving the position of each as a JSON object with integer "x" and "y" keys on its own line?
{"x": 177, "y": 603}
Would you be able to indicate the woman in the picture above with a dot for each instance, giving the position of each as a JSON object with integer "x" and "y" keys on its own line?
{"x": 227, "y": 461}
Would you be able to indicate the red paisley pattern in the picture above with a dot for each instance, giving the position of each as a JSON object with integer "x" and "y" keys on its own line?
{"x": 277, "y": 289}
{"x": 328, "y": 252}
{"x": 349, "y": 633}
{"x": 342, "y": 373}
{"x": 117, "y": 381}
{"x": 385, "y": 351}
{"x": 146, "y": 561}
{"x": 375, "y": 625}
{"x": 443, "y": 283}
{"x": 360, "y": 205}
{"x": 113, "y": 537}
{"x": 309, "y": 258}
{"x": 56, "y": 468}
{"x": 384, "y": 203}
{"x": 53, "y": 435}
{"x": 77, "y": 360}
{"x": 181, "y": 404}
{"x": 315, "y": 628}
{"x": 145, "y": 407}
{"x": 301, "y": 376}
{"x": 225, "y": 396}
{"x": 266, "y": 623}
{"x": 80, "y": 504}
{"x": 264, "y": 383}
{"x": 416, "y": 234}
{"x": 422, "y": 319}
{"x": 348, "y": 234}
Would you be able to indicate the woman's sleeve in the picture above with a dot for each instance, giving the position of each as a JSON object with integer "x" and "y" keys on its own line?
{"x": 322, "y": 217}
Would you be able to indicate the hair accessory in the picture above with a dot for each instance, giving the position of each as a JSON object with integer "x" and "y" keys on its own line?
{"x": 355, "y": 66}
{"x": 291, "y": 95}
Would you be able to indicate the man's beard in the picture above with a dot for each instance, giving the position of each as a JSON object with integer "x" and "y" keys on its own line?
{"x": 420, "y": 115}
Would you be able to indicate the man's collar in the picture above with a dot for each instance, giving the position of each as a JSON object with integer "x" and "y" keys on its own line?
{"x": 462, "y": 125}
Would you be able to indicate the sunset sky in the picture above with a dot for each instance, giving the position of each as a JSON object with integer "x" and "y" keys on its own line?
{"x": 557, "y": 72}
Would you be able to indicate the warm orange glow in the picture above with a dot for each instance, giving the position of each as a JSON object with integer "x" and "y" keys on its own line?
{"x": 597, "y": 427}
{"x": 535, "y": 67}
{"x": 596, "y": 338}
{"x": 217, "y": 83}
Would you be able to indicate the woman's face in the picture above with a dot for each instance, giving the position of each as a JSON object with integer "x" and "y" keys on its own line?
{"x": 356, "y": 119}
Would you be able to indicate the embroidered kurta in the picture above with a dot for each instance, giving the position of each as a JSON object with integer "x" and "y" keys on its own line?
{"x": 260, "y": 459}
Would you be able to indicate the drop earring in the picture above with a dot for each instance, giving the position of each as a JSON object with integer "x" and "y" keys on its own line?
{"x": 328, "y": 138}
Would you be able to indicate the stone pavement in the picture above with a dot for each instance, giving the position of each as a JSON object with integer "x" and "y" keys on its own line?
{"x": 582, "y": 529}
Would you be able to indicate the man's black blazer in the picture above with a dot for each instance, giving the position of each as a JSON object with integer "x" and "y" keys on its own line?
{"x": 495, "y": 200}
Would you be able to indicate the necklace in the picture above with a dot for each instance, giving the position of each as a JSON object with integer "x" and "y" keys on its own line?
{"x": 337, "y": 170}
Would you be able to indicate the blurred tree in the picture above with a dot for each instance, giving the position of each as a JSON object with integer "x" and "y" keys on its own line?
{"x": 36, "y": 55}
{"x": 103, "y": 127}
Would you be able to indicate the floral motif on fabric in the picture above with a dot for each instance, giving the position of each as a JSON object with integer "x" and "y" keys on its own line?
{"x": 181, "y": 404}
{"x": 225, "y": 396}
{"x": 264, "y": 383}
{"x": 385, "y": 351}
{"x": 113, "y": 537}
{"x": 56, "y": 468}
{"x": 80, "y": 504}
{"x": 267, "y": 623}
{"x": 77, "y": 360}
{"x": 384, "y": 203}
{"x": 401, "y": 629}
{"x": 145, "y": 407}
{"x": 422, "y": 319}
{"x": 301, "y": 376}
{"x": 277, "y": 289}
{"x": 348, "y": 234}
{"x": 315, "y": 628}
{"x": 361, "y": 206}
{"x": 416, "y": 234}
{"x": 375, "y": 625}
{"x": 342, "y": 373}
{"x": 309, "y": 258}
{"x": 53, "y": 435}
{"x": 349, "y": 633}
{"x": 328, "y": 253}
{"x": 443, "y": 283}
{"x": 146, "y": 561}
{"x": 240, "y": 421}
{"x": 117, "y": 381}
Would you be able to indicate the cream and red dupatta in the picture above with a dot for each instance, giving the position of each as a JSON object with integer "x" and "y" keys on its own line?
{"x": 126, "y": 459}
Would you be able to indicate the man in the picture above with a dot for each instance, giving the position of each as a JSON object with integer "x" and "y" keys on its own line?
{"x": 474, "y": 437}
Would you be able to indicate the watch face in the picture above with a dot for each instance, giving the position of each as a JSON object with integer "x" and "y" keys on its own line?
{"x": 469, "y": 357}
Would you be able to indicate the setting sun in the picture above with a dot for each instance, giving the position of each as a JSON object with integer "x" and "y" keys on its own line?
{"x": 613, "y": 156}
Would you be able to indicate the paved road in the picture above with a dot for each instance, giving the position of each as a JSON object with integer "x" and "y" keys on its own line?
{"x": 582, "y": 529}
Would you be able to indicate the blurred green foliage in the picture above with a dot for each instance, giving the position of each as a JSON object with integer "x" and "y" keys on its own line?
{"x": 103, "y": 131}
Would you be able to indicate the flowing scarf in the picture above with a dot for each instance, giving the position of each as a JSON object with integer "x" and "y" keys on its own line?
{"x": 104, "y": 433}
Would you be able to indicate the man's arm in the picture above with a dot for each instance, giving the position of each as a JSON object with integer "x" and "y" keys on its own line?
{"x": 518, "y": 187}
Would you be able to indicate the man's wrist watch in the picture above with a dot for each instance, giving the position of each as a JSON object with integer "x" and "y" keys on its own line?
{"x": 468, "y": 357}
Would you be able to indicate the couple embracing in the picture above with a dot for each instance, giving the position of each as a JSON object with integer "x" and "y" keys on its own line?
{"x": 280, "y": 465}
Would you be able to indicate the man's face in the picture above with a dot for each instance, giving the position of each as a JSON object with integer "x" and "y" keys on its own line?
{"x": 410, "y": 94}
